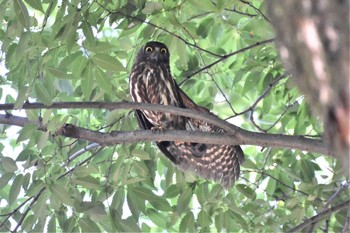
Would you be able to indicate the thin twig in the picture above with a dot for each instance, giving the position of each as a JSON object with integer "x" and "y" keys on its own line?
{"x": 257, "y": 10}
{"x": 13, "y": 212}
{"x": 82, "y": 151}
{"x": 222, "y": 92}
{"x": 339, "y": 191}
{"x": 224, "y": 57}
{"x": 24, "y": 214}
{"x": 346, "y": 227}
{"x": 280, "y": 182}
{"x": 158, "y": 27}
{"x": 240, "y": 12}
{"x": 263, "y": 95}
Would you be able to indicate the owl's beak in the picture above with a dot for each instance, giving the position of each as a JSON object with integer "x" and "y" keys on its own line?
{"x": 155, "y": 55}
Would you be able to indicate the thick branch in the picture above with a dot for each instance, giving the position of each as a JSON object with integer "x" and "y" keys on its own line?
{"x": 234, "y": 135}
{"x": 131, "y": 105}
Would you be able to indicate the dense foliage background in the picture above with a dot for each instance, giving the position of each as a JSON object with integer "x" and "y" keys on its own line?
{"x": 223, "y": 57}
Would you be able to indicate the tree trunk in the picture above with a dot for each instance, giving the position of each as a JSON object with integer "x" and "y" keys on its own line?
{"x": 313, "y": 42}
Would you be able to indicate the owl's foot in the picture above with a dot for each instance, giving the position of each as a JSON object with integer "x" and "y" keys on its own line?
{"x": 159, "y": 129}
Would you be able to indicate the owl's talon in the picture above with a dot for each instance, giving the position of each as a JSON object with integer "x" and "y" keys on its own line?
{"x": 159, "y": 129}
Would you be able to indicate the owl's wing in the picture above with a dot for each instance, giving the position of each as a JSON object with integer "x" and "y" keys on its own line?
{"x": 217, "y": 162}
{"x": 220, "y": 163}
{"x": 145, "y": 124}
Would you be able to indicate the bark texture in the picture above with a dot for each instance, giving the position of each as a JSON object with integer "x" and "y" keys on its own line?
{"x": 313, "y": 42}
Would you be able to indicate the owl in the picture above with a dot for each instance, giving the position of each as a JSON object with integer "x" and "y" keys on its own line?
{"x": 151, "y": 82}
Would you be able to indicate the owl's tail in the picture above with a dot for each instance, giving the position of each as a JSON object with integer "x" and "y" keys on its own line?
{"x": 220, "y": 163}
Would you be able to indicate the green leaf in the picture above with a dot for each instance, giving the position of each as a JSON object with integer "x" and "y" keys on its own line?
{"x": 271, "y": 186}
{"x": 97, "y": 213}
{"x": 128, "y": 225}
{"x": 44, "y": 136}
{"x": 290, "y": 203}
{"x": 219, "y": 221}
{"x": 35, "y": 4}
{"x": 22, "y": 97}
{"x": 202, "y": 194}
{"x": 238, "y": 218}
{"x": 250, "y": 164}
{"x": 60, "y": 73}
{"x": 171, "y": 192}
{"x": 28, "y": 223}
{"x": 23, "y": 44}
{"x": 246, "y": 191}
{"x": 40, "y": 207}
{"x": 151, "y": 7}
{"x": 69, "y": 225}
{"x": 203, "y": 218}
{"x": 61, "y": 194}
{"x": 22, "y": 13}
{"x": 8, "y": 164}
{"x": 133, "y": 180}
{"x": 87, "y": 81}
{"x": 103, "y": 81}
{"x": 107, "y": 62}
{"x": 43, "y": 94}
{"x": 118, "y": 199}
{"x": 141, "y": 168}
{"x": 145, "y": 194}
{"x": 307, "y": 170}
{"x": 51, "y": 226}
{"x": 298, "y": 214}
{"x": 15, "y": 189}
{"x": 159, "y": 219}
{"x": 88, "y": 182}
{"x": 161, "y": 204}
{"x": 88, "y": 32}
{"x": 157, "y": 202}
{"x": 187, "y": 223}
{"x": 184, "y": 200}
{"x": 88, "y": 226}
{"x": 205, "y": 27}
{"x": 4, "y": 179}
{"x": 26, "y": 132}
{"x": 141, "y": 154}
{"x": 85, "y": 171}
{"x": 203, "y": 5}
{"x": 35, "y": 187}
{"x": 135, "y": 203}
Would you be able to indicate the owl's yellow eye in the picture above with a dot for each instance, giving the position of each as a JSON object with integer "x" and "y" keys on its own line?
{"x": 149, "y": 49}
{"x": 163, "y": 51}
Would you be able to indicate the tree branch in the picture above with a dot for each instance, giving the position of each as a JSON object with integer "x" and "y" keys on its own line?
{"x": 158, "y": 27}
{"x": 233, "y": 136}
{"x": 320, "y": 216}
{"x": 222, "y": 58}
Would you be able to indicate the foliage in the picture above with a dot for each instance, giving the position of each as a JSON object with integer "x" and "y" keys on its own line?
{"x": 56, "y": 51}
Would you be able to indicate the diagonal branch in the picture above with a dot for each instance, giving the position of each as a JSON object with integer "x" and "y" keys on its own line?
{"x": 321, "y": 215}
{"x": 233, "y": 136}
{"x": 225, "y": 57}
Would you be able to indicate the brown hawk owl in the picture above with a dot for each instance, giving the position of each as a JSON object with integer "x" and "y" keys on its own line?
{"x": 151, "y": 82}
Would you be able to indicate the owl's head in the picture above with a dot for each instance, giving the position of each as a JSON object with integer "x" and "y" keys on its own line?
{"x": 154, "y": 52}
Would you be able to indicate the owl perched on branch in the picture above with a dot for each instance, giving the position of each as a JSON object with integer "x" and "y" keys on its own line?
{"x": 151, "y": 82}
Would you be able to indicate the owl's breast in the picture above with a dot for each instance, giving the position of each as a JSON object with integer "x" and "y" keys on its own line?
{"x": 160, "y": 86}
